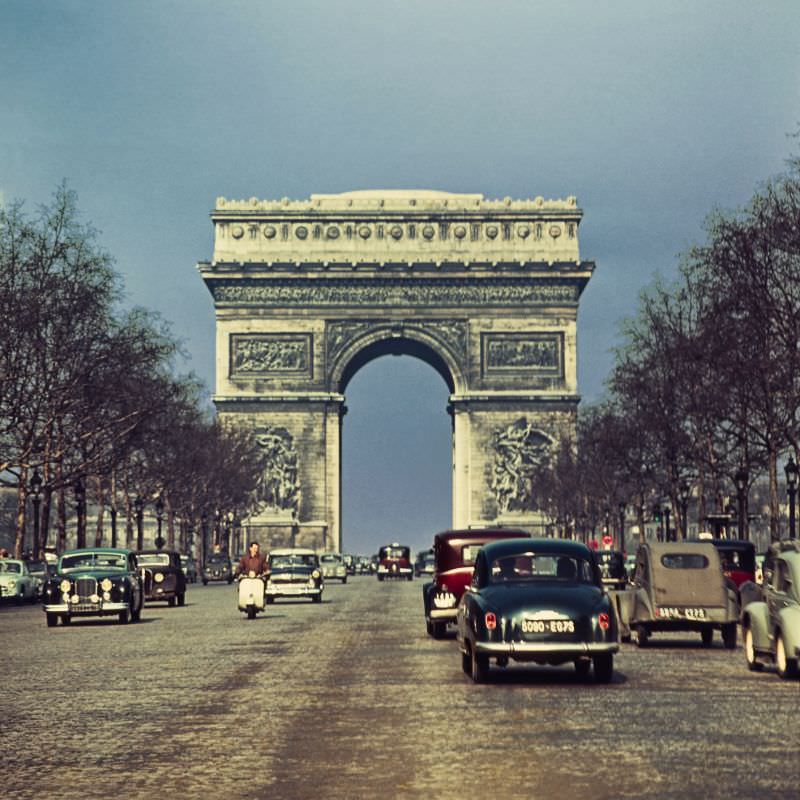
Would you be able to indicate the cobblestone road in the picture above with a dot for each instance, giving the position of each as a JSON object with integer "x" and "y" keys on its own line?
{"x": 350, "y": 699}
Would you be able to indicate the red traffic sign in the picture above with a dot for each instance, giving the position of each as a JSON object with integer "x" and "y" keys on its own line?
{"x": 608, "y": 540}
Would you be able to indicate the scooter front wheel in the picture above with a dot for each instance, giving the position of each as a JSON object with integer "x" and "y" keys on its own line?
{"x": 251, "y": 612}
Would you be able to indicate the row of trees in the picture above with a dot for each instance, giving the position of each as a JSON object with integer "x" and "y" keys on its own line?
{"x": 91, "y": 408}
{"x": 706, "y": 383}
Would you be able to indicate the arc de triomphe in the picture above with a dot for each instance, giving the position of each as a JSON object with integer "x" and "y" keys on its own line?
{"x": 306, "y": 292}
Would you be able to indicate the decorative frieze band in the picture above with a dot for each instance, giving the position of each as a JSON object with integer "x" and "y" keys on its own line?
{"x": 447, "y": 293}
{"x": 524, "y": 352}
{"x": 271, "y": 355}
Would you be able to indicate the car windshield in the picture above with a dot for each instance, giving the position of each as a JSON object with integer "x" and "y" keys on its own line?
{"x": 153, "y": 559}
{"x": 37, "y": 566}
{"x": 737, "y": 560}
{"x": 93, "y": 561}
{"x": 10, "y": 566}
{"x": 330, "y": 559}
{"x": 394, "y": 552}
{"x": 288, "y": 561}
{"x": 217, "y": 560}
{"x": 541, "y": 566}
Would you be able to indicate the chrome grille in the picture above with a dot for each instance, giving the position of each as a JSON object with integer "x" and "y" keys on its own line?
{"x": 85, "y": 587}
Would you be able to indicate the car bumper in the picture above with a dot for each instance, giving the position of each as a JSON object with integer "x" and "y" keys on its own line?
{"x": 448, "y": 614}
{"x": 87, "y": 609}
{"x": 154, "y": 597}
{"x": 293, "y": 590}
{"x": 569, "y": 649}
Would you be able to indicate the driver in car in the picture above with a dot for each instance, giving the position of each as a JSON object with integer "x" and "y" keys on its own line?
{"x": 254, "y": 562}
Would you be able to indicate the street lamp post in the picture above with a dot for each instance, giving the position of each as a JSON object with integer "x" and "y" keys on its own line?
{"x": 621, "y": 525}
{"x": 113, "y": 512}
{"x": 683, "y": 495}
{"x": 138, "y": 505}
{"x": 667, "y": 534}
{"x": 35, "y": 488}
{"x": 204, "y": 535}
{"x": 80, "y": 508}
{"x": 791, "y": 487}
{"x": 741, "y": 493}
{"x": 228, "y": 532}
{"x": 159, "y": 516}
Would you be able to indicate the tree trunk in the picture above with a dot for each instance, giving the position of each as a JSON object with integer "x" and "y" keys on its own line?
{"x": 19, "y": 542}
{"x": 774, "y": 505}
{"x": 170, "y": 524}
{"x": 44, "y": 522}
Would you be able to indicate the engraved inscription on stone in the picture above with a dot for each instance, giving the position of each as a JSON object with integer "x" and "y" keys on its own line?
{"x": 519, "y": 450}
{"x": 270, "y": 354}
{"x": 523, "y": 352}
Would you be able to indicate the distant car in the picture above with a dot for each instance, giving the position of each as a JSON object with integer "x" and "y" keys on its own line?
{"x": 537, "y": 600}
{"x": 333, "y": 567}
{"x": 612, "y": 568}
{"x": 680, "y": 586}
{"x": 454, "y": 557}
{"x": 394, "y": 561}
{"x": 189, "y": 569}
{"x": 350, "y": 563}
{"x": 630, "y": 566}
{"x": 771, "y": 627}
{"x": 425, "y": 563}
{"x": 16, "y": 582}
{"x": 294, "y": 572}
{"x": 162, "y": 576}
{"x": 96, "y": 581}
{"x": 738, "y": 558}
{"x": 363, "y": 565}
{"x": 218, "y": 567}
{"x": 40, "y": 571}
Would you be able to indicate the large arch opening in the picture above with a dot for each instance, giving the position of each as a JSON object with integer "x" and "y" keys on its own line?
{"x": 396, "y": 468}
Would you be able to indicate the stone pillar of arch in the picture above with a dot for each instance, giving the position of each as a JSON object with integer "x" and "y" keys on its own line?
{"x": 306, "y": 292}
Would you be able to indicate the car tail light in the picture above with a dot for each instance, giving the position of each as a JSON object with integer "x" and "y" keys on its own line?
{"x": 603, "y": 621}
{"x": 491, "y": 621}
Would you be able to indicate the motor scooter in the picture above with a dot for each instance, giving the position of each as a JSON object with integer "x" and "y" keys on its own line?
{"x": 251, "y": 594}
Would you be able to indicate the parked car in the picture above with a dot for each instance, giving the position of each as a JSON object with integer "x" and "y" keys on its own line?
{"x": 454, "y": 557}
{"x": 163, "y": 576}
{"x": 612, "y": 568}
{"x": 771, "y": 626}
{"x": 218, "y": 567}
{"x": 333, "y": 567}
{"x": 294, "y": 572}
{"x": 189, "y": 569}
{"x": 96, "y": 581}
{"x": 537, "y": 600}
{"x": 425, "y": 563}
{"x": 394, "y": 561}
{"x": 16, "y": 582}
{"x": 679, "y": 586}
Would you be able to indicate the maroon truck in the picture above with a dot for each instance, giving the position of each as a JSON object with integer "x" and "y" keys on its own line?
{"x": 455, "y": 553}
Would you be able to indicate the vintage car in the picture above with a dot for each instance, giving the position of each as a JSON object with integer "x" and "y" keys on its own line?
{"x": 40, "y": 571}
{"x": 771, "y": 626}
{"x": 612, "y": 568}
{"x": 218, "y": 567}
{"x": 537, "y": 600}
{"x": 163, "y": 576}
{"x": 294, "y": 572}
{"x": 189, "y": 568}
{"x": 425, "y": 563}
{"x": 94, "y": 582}
{"x": 454, "y": 557}
{"x": 16, "y": 582}
{"x": 679, "y": 586}
{"x": 333, "y": 567}
{"x": 738, "y": 558}
{"x": 394, "y": 561}
{"x": 349, "y": 563}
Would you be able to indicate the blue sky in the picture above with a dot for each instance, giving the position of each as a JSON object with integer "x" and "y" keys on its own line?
{"x": 652, "y": 113}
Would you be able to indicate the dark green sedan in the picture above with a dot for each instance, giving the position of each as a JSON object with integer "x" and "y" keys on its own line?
{"x": 537, "y": 600}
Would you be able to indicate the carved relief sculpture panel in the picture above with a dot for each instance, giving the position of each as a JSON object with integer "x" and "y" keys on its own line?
{"x": 270, "y": 355}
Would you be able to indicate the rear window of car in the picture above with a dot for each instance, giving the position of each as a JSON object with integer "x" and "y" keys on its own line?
{"x": 541, "y": 566}
{"x": 684, "y": 561}
{"x": 469, "y": 553}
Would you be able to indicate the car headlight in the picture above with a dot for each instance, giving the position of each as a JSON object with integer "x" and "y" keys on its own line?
{"x": 106, "y": 584}
{"x": 158, "y": 577}
{"x": 315, "y": 574}
{"x": 65, "y": 585}
{"x": 12, "y": 584}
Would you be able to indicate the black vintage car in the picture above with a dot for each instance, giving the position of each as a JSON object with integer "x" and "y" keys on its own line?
{"x": 162, "y": 576}
{"x": 218, "y": 567}
{"x": 612, "y": 568}
{"x": 97, "y": 581}
{"x": 537, "y": 600}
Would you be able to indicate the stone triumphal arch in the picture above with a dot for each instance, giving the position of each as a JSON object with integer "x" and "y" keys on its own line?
{"x": 306, "y": 292}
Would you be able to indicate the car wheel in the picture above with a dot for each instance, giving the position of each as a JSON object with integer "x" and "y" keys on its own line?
{"x": 753, "y": 664}
{"x": 479, "y": 666}
{"x": 729, "y": 635}
{"x": 642, "y": 636}
{"x": 205, "y": 582}
{"x": 171, "y": 602}
{"x": 136, "y": 613}
{"x": 787, "y": 667}
{"x": 52, "y": 620}
{"x": 466, "y": 663}
{"x": 429, "y": 627}
{"x": 380, "y": 577}
{"x": 344, "y": 580}
{"x": 603, "y": 667}
{"x": 439, "y": 629}
{"x": 707, "y": 636}
{"x": 19, "y": 598}
{"x": 582, "y": 667}
{"x": 182, "y": 599}
{"x": 124, "y": 616}
{"x": 317, "y": 598}
{"x": 66, "y": 619}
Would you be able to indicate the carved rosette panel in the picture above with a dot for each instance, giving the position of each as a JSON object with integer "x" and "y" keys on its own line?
{"x": 278, "y": 486}
{"x": 519, "y": 450}
{"x": 538, "y": 353}
{"x": 340, "y": 335}
{"x": 393, "y": 293}
{"x": 270, "y": 355}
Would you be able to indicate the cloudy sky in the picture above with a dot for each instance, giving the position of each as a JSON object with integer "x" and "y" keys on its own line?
{"x": 652, "y": 113}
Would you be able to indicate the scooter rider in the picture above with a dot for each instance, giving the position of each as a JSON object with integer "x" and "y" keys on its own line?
{"x": 254, "y": 561}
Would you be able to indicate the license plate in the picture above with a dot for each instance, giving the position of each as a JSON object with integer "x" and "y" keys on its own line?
{"x": 671, "y": 612}
{"x": 548, "y": 626}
